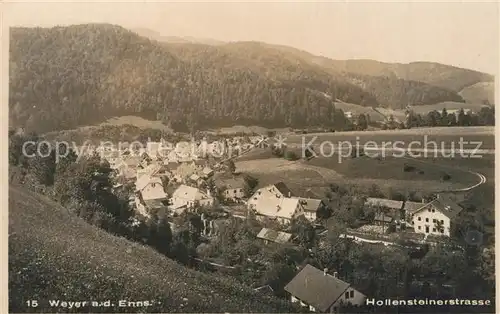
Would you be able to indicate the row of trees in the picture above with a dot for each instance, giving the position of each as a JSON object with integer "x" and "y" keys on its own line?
{"x": 485, "y": 117}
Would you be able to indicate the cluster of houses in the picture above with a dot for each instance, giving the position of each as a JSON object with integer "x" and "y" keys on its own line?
{"x": 178, "y": 184}
{"x": 278, "y": 202}
{"x": 173, "y": 177}
{"x": 434, "y": 217}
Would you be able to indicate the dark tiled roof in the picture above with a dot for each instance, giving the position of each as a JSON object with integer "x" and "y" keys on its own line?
{"x": 412, "y": 207}
{"x": 283, "y": 189}
{"x": 315, "y": 288}
{"x": 383, "y": 217}
{"x": 446, "y": 206}
{"x": 384, "y": 203}
{"x": 443, "y": 204}
{"x": 233, "y": 182}
{"x": 310, "y": 204}
{"x": 274, "y": 236}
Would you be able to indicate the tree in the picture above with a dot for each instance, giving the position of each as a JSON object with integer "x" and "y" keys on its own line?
{"x": 304, "y": 232}
{"x": 289, "y": 155}
{"x": 362, "y": 122}
{"x": 250, "y": 184}
{"x": 433, "y": 119}
{"x": 444, "y": 118}
{"x": 230, "y": 166}
{"x": 162, "y": 239}
{"x": 461, "y": 120}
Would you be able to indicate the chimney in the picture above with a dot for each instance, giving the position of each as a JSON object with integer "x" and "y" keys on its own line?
{"x": 289, "y": 194}
{"x": 325, "y": 271}
{"x": 423, "y": 200}
{"x": 335, "y": 275}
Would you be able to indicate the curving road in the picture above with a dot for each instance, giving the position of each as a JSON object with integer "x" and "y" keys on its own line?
{"x": 482, "y": 178}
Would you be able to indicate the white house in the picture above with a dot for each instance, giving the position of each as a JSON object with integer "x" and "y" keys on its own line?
{"x": 311, "y": 207}
{"x": 277, "y": 191}
{"x": 232, "y": 188}
{"x": 186, "y": 197}
{"x": 435, "y": 217}
{"x": 321, "y": 292}
{"x": 282, "y": 209}
{"x": 149, "y": 194}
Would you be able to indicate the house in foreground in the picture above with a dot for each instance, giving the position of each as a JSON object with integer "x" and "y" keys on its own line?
{"x": 321, "y": 292}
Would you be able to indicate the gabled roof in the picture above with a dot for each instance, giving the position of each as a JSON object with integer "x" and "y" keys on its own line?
{"x": 446, "y": 206}
{"x": 155, "y": 203}
{"x": 315, "y": 288}
{"x": 383, "y": 202}
{"x": 382, "y": 217}
{"x": 233, "y": 182}
{"x": 443, "y": 204}
{"x": 310, "y": 204}
{"x": 274, "y": 236}
{"x": 277, "y": 207}
{"x": 207, "y": 170}
{"x": 172, "y": 165}
{"x": 199, "y": 162}
{"x": 146, "y": 179}
{"x": 189, "y": 193}
{"x": 280, "y": 186}
{"x": 412, "y": 207}
{"x": 132, "y": 161}
{"x": 194, "y": 177}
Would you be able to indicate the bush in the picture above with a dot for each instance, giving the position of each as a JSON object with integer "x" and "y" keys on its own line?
{"x": 408, "y": 168}
{"x": 291, "y": 156}
{"x": 445, "y": 177}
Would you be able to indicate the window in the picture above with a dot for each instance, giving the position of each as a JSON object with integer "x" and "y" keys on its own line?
{"x": 442, "y": 221}
{"x": 351, "y": 293}
{"x": 442, "y": 231}
{"x": 347, "y": 295}
{"x": 426, "y": 219}
{"x": 433, "y": 229}
{"x": 153, "y": 185}
{"x": 434, "y": 220}
{"x": 419, "y": 227}
{"x": 419, "y": 218}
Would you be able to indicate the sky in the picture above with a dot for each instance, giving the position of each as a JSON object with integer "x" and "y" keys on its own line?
{"x": 463, "y": 34}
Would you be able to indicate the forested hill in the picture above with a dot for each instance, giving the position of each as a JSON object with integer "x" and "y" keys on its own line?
{"x": 63, "y": 77}
{"x": 432, "y": 73}
{"x": 67, "y": 76}
{"x": 285, "y": 63}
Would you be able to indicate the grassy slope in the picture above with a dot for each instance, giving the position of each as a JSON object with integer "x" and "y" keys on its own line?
{"x": 443, "y": 136}
{"x": 53, "y": 255}
{"x": 478, "y": 92}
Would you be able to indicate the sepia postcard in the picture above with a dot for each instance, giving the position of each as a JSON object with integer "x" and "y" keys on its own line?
{"x": 237, "y": 157}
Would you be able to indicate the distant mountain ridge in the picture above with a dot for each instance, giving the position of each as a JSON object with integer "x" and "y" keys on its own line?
{"x": 148, "y": 33}
{"x": 63, "y": 77}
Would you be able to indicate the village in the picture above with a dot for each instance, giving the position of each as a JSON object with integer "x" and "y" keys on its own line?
{"x": 185, "y": 179}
